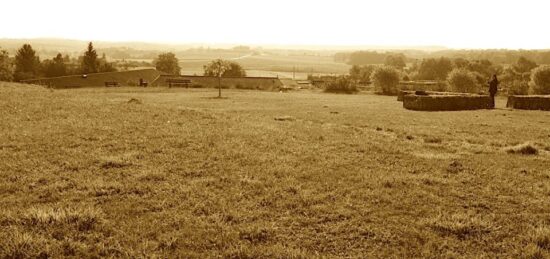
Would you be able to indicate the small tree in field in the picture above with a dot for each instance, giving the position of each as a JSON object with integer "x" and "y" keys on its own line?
{"x": 6, "y": 66}
{"x": 168, "y": 63}
{"x": 540, "y": 80}
{"x": 27, "y": 63}
{"x": 463, "y": 81}
{"x": 385, "y": 80}
{"x": 223, "y": 68}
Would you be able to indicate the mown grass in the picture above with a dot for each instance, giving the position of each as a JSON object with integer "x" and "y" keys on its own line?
{"x": 88, "y": 172}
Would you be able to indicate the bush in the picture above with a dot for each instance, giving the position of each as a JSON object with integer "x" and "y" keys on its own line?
{"x": 518, "y": 87}
{"x": 385, "y": 80}
{"x": 463, "y": 81}
{"x": 342, "y": 84}
{"x": 540, "y": 80}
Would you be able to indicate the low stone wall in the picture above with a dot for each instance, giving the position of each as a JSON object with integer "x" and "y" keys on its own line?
{"x": 260, "y": 83}
{"x": 407, "y": 92}
{"x": 529, "y": 102}
{"x": 446, "y": 102}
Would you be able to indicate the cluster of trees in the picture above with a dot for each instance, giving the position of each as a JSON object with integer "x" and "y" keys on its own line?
{"x": 494, "y": 56}
{"x": 360, "y": 58}
{"x": 27, "y": 65}
{"x": 459, "y": 74}
{"x": 169, "y": 63}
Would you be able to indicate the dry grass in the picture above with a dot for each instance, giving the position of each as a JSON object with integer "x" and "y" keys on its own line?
{"x": 86, "y": 174}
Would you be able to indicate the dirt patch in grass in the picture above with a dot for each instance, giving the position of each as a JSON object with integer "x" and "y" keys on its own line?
{"x": 523, "y": 149}
{"x": 285, "y": 118}
{"x": 135, "y": 101}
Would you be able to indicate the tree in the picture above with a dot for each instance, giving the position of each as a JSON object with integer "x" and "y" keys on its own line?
{"x": 463, "y": 81}
{"x": 361, "y": 73}
{"x": 223, "y": 68}
{"x": 89, "y": 63}
{"x": 27, "y": 64}
{"x": 105, "y": 66}
{"x": 396, "y": 61}
{"x": 168, "y": 63}
{"x": 6, "y": 66}
{"x": 234, "y": 70}
{"x": 385, "y": 80}
{"x": 435, "y": 69}
{"x": 524, "y": 65}
{"x": 216, "y": 68}
{"x": 540, "y": 80}
{"x": 54, "y": 67}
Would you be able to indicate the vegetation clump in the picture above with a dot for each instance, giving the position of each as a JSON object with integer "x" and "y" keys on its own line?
{"x": 385, "y": 80}
{"x": 463, "y": 81}
{"x": 168, "y": 63}
{"x": 342, "y": 84}
{"x": 540, "y": 80}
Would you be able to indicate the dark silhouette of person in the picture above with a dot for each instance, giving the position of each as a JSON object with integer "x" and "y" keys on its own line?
{"x": 493, "y": 88}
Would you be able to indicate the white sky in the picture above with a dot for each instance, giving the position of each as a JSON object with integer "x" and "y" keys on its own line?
{"x": 456, "y": 24}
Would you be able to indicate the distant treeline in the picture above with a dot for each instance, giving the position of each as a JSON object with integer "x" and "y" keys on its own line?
{"x": 27, "y": 64}
{"x": 494, "y": 56}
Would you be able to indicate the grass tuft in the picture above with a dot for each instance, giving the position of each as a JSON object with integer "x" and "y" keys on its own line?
{"x": 541, "y": 237}
{"x": 461, "y": 226}
{"x": 84, "y": 219}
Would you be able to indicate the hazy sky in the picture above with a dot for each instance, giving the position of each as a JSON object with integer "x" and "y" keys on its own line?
{"x": 457, "y": 24}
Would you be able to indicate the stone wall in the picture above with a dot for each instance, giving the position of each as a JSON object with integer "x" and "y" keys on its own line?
{"x": 529, "y": 102}
{"x": 260, "y": 83}
{"x": 446, "y": 102}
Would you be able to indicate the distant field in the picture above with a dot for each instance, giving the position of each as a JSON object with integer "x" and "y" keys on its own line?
{"x": 169, "y": 173}
{"x": 271, "y": 64}
{"x": 266, "y": 64}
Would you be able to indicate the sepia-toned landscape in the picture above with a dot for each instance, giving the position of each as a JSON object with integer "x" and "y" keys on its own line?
{"x": 293, "y": 132}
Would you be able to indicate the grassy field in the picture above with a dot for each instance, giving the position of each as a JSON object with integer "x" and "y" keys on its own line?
{"x": 170, "y": 173}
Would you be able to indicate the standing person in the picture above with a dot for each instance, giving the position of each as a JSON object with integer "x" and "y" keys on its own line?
{"x": 493, "y": 88}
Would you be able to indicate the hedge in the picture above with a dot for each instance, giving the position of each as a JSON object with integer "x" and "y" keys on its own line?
{"x": 529, "y": 102}
{"x": 446, "y": 102}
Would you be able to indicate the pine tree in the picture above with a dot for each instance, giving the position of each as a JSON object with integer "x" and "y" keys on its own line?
{"x": 27, "y": 64}
{"x": 89, "y": 60}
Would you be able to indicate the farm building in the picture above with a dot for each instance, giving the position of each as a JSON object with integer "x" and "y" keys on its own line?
{"x": 155, "y": 78}
{"x": 122, "y": 78}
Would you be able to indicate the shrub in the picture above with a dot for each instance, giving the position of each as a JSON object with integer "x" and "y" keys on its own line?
{"x": 385, "y": 80}
{"x": 540, "y": 80}
{"x": 463, "y": 81}
{"x": 342, "y": 84}
{"x": 518, "y": 87}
